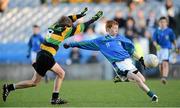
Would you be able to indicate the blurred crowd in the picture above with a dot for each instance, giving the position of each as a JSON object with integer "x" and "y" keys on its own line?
{"x": 138, "y": 28}
{"x": 136, "y": 25}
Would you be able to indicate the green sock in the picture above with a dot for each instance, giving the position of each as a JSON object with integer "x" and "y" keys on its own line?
{"x": 150, "y": 93}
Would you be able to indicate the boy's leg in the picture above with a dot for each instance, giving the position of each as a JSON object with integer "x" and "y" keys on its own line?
{"x": 57, "y": 84}
{"x": 20, "y": 85}
{"x": 141, "y": 77}
{"x": 132, "y": 76}
{"x": 142, "y": 85}
{"x": 165, "y": 71}
{"x": 163, "y": 56}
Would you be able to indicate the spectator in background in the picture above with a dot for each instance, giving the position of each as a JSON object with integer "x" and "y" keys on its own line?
{"x": 79, "y": 1}
{"x": 75, "y": 56}
{"x": 55, "y": 2}
{"x": 102, "y": 1}
{"x": 141, "y": 23}
{"x": 90, "y": 34}
{"x": 130, "y": 29}
{"x": 100, "y": 26}
{"x": 170, "y": 13}
{"x": 119, "y": 18}
{"x": 151, "y": 21}
{"x": 93, "y": 58}
{"x": 152, "y": 48}
{"x": 131, "y": 7}
{"x": 3, "y": 5}
{"x": 43, "y": 2}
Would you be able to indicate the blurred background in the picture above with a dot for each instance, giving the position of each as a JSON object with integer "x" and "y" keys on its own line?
{"x": 20, "y": 20}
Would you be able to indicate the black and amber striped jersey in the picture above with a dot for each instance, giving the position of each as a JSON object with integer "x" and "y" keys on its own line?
{"x": 57, "y": 34}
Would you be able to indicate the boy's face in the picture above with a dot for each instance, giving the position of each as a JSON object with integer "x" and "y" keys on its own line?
{"x": 163, "y": 23}
{"x": 113, "y": 31}
{"x": 36, "y": 30}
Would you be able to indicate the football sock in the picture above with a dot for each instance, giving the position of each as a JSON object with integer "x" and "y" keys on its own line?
{"x": 11, "y": 87}
{"x": 150, "y": 93}
{"x": 55, "y": 95}
{"x": 165, "y": 77}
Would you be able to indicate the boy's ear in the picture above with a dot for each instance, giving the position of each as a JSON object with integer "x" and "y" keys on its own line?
{"x": 107, "y": 29}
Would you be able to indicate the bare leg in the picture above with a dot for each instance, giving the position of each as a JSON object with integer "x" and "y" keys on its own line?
{"x": 57, "y": 84}
{"x": 20, "y": 85}
{"x": 139, "y": 82}
{"x": 141, "y": 77}
{"x": 142, "y": 85}
{"x": 29, "y": 83}
{"x": 165, "y": 71}
{"x": 59, "y": 78}
{"x": 161, "y": 70}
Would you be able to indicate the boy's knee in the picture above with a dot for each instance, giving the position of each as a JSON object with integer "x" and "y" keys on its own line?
{"x": 61, "y": 74}
{"x": 34, "y": 83}
{"x": 144, "y": 80}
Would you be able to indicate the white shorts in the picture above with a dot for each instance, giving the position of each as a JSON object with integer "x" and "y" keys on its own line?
{"x": 125, "y": 65}
{"x": 163, "y": 54}
{"x": 33, "y": 56}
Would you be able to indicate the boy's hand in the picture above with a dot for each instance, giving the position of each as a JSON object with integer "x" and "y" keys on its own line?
{"x": 66, "y": 46}
{"x": 97, "y": 15}
{"x": 83, "y": 13}
{"x": 141, "y": 60}
{"x": 176, "y": 50}
{"x": 158, "y": 47}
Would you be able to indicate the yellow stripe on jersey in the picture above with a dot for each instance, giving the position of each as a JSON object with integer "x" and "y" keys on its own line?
{"x": 49, "y": 49}
{"x": 74, "y": 17}
{"x": 57, "y": 37}
{"x": 65, "y": 32}
{"x": 79, "y": 29}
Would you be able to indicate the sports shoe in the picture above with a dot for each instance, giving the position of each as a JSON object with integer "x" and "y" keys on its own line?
{"x": 97, "y": 15}
{"x": 5, "y": 92}
{"x": 164, "y": 80}
{"x": 58, "y": 101}
{"x": 154, "y": 98}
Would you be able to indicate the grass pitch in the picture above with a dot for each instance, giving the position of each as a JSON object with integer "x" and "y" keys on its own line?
{"x": 96, "y": 94}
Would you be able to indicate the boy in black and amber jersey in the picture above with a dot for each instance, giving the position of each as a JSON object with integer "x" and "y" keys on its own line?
{"x": 57, "y": 33}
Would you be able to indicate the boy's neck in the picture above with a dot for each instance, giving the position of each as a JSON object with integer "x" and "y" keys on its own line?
{"x": 163, "y": 28}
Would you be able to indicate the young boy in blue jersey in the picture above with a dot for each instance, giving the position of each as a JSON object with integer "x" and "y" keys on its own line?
{"x": 163, "y": 38}
{"x": 34, "y": 43}
{"x": 118, "y": 50}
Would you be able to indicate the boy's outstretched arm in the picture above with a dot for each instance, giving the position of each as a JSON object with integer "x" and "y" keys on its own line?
{"x": 77, "y": 16}
{"x": 82, "y": 26}
{"x": 88, "y": 45}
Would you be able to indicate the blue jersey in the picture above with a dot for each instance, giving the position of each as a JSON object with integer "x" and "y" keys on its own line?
{"x": 164, "y": 37}
{"x": 34, "y": 42}
{"x": 115, "y": 49}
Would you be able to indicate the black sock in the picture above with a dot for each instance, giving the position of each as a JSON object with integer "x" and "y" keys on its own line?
{"x": 10, "y": 87}
{"x": 55, "y": 95}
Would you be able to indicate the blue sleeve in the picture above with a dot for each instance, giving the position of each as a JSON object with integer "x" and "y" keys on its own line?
{"x": 88, "y": 45}
{"x": 129, "y": 47}
{"x": 154, "y": 37}
{"x": 30, "y": 43}
{"x": 41, "y": 39}
{"x": 172, "y": 36}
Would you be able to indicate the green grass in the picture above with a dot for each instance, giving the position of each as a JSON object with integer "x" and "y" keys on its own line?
{"x": 97, "y": 93}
